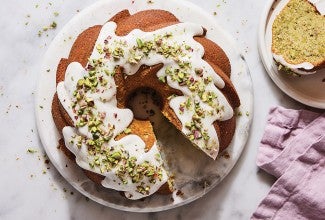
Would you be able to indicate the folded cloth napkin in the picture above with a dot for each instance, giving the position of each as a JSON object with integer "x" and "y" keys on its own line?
{"x": 293, "y": 150}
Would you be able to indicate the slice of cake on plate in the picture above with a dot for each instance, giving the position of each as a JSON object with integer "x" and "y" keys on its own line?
{"x": 298, "y": 38}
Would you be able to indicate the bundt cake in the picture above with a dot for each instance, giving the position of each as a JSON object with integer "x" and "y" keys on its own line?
{"x": 106, "y": 64}
{"x": 298, "y": 37}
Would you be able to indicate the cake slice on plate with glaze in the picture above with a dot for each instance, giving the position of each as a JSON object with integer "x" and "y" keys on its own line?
{"x": 298, "y": 37}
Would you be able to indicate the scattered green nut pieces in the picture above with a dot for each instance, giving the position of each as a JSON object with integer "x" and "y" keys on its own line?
{"x": 31, "y": 150}
{"x": 127, "y": 131}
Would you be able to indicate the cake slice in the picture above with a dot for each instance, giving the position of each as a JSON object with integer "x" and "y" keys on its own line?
{"x": 298, "y": 37}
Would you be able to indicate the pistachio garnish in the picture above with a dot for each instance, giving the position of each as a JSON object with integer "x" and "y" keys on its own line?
{"x": 118, "y": 52}
{"x": 127, "y": 130}
{"x": 31, "y": 150}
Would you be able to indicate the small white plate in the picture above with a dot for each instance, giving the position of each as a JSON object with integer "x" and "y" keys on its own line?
{"x": 307, "y": 89}
{"x": 195, "y": 179}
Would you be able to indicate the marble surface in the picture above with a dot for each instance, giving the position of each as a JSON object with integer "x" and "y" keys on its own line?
{"x": 30, "y": 187}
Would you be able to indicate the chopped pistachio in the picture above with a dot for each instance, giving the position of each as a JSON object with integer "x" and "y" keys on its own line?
{"x": 198, "y": 71}
{"x": 181, "y": 75}
{"x": 90, "y": 142}
{"x": 131, "y": 60}
{"x": 116, "y": 155}
{"x": 91, "y": 164}
{"x": 99, "y": 49}
{"x": 118, "y": 52}
{"x": 191, "y": 137}
{"x": 127, "y": 131}
{"x": 162, "y": 79}
{"x": 205, "y": 136}
{"x": 53, "y": 24}
{"x": 31, "y": 150}
{"x": 188, "y": 103}
{"x": 139, "y": 43}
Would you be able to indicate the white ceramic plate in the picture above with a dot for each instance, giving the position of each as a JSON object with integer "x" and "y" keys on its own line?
{"x": 193, "y": 179}
{"x": 307, "y": 89}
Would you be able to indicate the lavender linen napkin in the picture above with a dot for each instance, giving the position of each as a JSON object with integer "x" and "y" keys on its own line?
{"x": 293, "y": 150}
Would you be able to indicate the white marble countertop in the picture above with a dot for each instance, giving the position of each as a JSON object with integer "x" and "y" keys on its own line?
{"x": 33, "y": 189}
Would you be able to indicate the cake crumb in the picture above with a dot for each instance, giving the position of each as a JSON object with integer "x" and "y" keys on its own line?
{"x": 243, "y": 22}
{"x": 8, "y": 108}
{"x": 226, "y": 155}
{"x": 179, "y": 193}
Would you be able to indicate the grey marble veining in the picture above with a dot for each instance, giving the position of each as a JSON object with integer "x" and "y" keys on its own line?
{"x": 29, "y": 190}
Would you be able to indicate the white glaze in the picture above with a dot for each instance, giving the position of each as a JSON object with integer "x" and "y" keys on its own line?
{"x": 135, "y": 147}
{"x": 301, "y": 68}
{"x": 297, "y": 68}
{"x": 131, "y": 143}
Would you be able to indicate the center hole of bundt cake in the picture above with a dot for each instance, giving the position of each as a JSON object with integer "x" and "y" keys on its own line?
{"x": 144, "y": 102}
